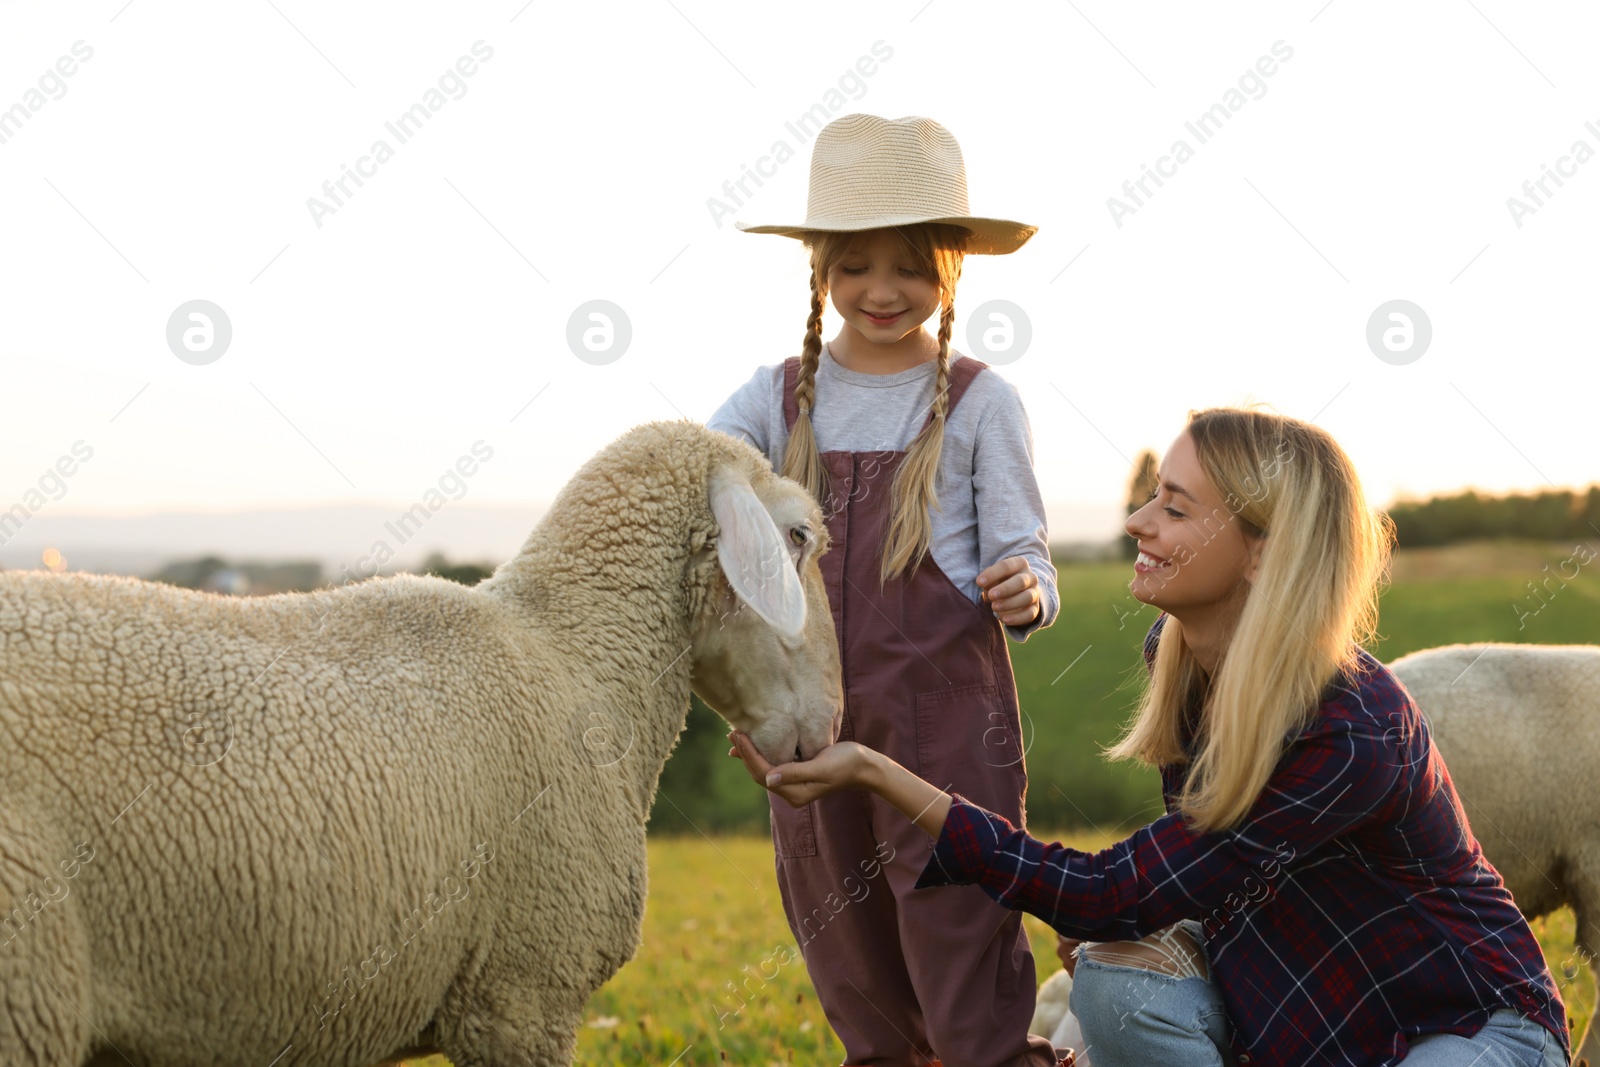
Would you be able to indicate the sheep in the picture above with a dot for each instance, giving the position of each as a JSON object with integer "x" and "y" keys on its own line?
{"x": 1515, "y": 726}
{"x": 406, "y": 815}
{"x": 1053, "y": 1019}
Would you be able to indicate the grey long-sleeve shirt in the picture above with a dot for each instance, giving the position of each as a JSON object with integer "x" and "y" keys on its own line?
{"x": 990, "y": 504}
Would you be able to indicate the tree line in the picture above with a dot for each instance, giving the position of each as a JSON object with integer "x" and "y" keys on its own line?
{"x": 1553, "y": 515}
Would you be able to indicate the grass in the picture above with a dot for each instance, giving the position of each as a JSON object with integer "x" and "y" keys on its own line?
{"x": 718, "y": 977}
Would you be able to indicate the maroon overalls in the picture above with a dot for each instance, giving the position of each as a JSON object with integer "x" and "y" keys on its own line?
{"x": 903, "y": 975}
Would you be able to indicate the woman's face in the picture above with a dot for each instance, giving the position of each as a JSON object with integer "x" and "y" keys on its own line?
{"x": 1195, "y": 556}
{"x": 882, "y": 287}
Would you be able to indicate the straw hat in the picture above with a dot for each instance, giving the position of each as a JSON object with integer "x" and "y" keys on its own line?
{"x": 868, "y": 172}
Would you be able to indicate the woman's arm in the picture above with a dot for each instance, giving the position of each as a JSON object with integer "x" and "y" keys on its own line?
{"x": 848, "y": 765}
{"x": 967, "y": 837}
{"x": 1332, "y": 779}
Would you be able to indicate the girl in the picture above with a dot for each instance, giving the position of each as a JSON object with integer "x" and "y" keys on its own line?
{"x": 922, "y": 460}
{"x": 1314, "y": 894}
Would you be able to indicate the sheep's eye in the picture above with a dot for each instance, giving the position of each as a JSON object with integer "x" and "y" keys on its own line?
{"x": 798, "y": 534}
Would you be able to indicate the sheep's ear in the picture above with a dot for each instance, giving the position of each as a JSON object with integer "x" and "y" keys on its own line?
{"x": 753, "y": 556}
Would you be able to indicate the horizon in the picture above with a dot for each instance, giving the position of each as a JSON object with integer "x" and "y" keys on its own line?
{"x": 346, "y": 532}
{"x": 542, "y": 505}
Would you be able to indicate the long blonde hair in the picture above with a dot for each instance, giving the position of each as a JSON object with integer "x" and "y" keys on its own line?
{"x": 1313, "y": 602}
{"x": 941, "y": 249}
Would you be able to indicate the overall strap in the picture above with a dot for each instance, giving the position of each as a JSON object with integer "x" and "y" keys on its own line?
{"x": 961, "y": 374}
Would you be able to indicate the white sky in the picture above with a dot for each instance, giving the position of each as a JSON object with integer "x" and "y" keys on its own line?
{"x": 370, "y": 353}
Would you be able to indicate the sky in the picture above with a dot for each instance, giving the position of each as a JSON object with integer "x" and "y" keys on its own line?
{"x": 1359, "y": 154}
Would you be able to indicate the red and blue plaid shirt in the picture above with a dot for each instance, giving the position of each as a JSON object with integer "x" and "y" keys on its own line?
{"x": 1351, "y": 911}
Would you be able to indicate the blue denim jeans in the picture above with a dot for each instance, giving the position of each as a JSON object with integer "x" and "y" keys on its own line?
{"x": 1508, "y": 1039}
{"x": 1136, "y": 1016}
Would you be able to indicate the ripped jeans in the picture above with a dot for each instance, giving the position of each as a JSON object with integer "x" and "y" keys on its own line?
{"x": 1150, "y": 1001}
{"x": 1153, "y": 1002}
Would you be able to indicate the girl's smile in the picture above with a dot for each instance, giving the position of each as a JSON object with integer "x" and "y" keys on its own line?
{"x": 882, "y": 319}
{"x": 884, "y": 291}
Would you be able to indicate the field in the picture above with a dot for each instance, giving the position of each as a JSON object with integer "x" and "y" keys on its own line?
{"x": 718, "y": 978}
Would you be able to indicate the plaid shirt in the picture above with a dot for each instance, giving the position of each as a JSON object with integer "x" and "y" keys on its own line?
{"x": 1350, "y": 911}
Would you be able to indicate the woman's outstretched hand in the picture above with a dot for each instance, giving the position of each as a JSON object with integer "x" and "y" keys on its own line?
{"x": 839, "y": 766}
{"x": 847, "y": 765}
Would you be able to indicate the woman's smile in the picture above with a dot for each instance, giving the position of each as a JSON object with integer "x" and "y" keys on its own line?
{"x": 1145, "y": 563}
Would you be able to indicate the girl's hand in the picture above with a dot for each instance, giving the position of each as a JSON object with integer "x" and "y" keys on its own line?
{"x": 839, "y": 766}
{"x": 1012, "y": 590}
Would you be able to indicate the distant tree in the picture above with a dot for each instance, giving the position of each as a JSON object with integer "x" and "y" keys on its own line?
{"x": 701, "y": 788}
{"x": 1141, "y": 487}
{"x": 1553, "y": 515}
{"x": 1589, "y": 520}
{"x": 286, "y": 577}
{"x": 465, "y": 573}
{"x": 218, "y": 575}
{"x": 189, "y": 573}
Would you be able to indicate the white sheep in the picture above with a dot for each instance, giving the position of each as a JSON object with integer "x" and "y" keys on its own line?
{"x": 336, "y": 827}
{"x": 1053, "y": 1019}
{"x": 1517, "y": 727}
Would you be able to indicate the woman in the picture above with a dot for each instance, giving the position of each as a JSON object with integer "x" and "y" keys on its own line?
{"x": 1313, "y": 894}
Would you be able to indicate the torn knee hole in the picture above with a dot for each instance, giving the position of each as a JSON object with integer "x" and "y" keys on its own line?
{"x": 1171, "y": 952}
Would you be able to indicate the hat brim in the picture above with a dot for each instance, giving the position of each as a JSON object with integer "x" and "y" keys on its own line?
{"x": 989, "y": 237}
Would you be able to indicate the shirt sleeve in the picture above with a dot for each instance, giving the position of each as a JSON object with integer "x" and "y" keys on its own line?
{"x": 1335, "y": 777}
{"x": 1010, "y": 510}
{"x": 745, "y": 414}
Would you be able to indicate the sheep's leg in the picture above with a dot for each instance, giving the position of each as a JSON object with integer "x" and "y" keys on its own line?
{"x": 44, "y": 963}
{"x": 477, "y": 1031}
{"x": 1586, "y": 908}
{"x": 500, "y": 1044}
{"x": 400, "y": 1059}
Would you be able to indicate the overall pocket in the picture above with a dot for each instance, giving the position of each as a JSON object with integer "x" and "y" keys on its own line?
{"x": 794, "y": 834}
{"x": 967, "y": 742}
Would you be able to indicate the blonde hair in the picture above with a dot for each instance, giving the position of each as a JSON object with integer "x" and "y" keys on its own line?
{"x": 1311, "y": 605}
{"x": 941, "y": 248}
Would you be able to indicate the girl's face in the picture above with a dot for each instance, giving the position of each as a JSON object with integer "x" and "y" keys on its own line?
{"x": 883, "y": 288}
{"x": 1195, "y": 556}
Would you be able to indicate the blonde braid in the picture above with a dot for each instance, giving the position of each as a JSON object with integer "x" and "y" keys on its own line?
{"x": 801, "y": 460}
{"x": 914, "y": 493}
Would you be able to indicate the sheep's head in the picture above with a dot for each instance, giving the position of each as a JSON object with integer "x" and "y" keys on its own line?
{"x": 764, "y": 653}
